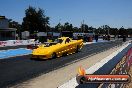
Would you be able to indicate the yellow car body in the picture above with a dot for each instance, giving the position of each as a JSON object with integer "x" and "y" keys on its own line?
{"x": 64, "y": 46}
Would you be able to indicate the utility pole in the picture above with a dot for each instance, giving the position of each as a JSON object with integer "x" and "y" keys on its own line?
{"x": 60, "y": 28}
{"x": 83, "y": 26}
{"x": 108, "y": 30}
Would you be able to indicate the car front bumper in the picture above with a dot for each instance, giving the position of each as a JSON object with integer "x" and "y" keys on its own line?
{"x": 41, "y": 56}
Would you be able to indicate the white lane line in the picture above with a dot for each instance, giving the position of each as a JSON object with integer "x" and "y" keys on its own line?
{"x": 72, "y": 83}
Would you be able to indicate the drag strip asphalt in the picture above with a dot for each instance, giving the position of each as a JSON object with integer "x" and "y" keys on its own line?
{"x": 21, "y": 68}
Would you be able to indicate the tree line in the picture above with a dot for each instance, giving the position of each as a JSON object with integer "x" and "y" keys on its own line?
{"x": 35, "y": 21}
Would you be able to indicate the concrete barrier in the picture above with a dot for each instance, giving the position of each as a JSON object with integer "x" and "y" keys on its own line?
{"x": 16, "y": 42}
{"x": 119, "y": 64}
{"x": 109, "y": 65}
{"x": 122, "y": 67}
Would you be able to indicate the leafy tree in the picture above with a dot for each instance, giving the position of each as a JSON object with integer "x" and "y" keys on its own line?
{"x": 97, "y": 31}
{"x": 35, "y": 20}
{"x": 114, "y": 31}
{"x": 76, "y": 29}
{"x": 90, "y": 29}
{"x": 58, "y": 27}
{"x": 129, "y": 31}
{"x": 14, "y": 24}
{"x": 67, "y": 27}
{"x": 122, "y": 31}
{"x": 106, "y": 29}
{"x": 84, "y": 28}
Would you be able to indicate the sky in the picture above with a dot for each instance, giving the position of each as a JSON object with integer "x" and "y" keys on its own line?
{"x": 115, "y": 13}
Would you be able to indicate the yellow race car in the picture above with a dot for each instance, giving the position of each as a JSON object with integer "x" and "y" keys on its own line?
{"x": 61, "y": 46}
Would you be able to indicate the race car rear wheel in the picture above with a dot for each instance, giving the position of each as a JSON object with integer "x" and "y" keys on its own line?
{"x": 53, "y": 56}
{"x": 77, "y": 49}
{"x": 65, "y": 54}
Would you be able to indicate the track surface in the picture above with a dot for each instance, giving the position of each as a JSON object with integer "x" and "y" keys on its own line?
{"x": 18, "y": 69}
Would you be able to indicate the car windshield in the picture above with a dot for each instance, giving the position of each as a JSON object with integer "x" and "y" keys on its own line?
{"x": 58, "y": 41}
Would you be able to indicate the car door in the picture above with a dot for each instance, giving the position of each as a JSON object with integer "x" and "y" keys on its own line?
{"x": 69, "y": 45}
{"x": 61, "y": 47}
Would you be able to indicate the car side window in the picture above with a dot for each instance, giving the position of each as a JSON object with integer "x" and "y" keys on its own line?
{"x": 67, "y": 40}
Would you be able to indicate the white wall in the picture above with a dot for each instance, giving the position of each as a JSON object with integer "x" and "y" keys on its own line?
{"x": 16, "y": 42}
{"x": 42, "y": 34}
{"x": 25, "y": 34}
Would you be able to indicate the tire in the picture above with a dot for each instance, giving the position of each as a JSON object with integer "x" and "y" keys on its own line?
{"x": 64, "y": 54}
{"x": 77, "y": 49}
{"x": 53, "y": 56}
